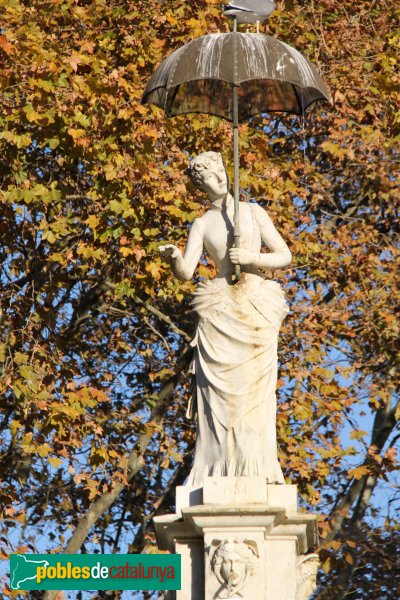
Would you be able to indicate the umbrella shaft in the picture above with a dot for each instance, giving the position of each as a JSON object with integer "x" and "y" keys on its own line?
{"x": 236, "y": 228}
{"x": 236, "y": 231}
{"x": 235, "y": 120}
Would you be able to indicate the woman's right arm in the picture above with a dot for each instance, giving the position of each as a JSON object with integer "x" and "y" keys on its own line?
{"x": 184, "y": 267}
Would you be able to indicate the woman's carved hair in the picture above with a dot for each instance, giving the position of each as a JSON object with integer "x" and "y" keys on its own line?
{"x": 206, "y": 161}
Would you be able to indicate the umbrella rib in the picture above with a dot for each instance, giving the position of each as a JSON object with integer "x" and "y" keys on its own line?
{"x": 299, "y": 102}
{"x": 176, "y": 90}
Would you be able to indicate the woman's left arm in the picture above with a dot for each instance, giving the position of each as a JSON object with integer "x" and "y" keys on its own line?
{"x": 279, "y": 255}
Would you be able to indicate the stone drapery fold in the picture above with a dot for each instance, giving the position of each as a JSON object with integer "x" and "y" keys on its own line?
{"x": 235, "y": 368}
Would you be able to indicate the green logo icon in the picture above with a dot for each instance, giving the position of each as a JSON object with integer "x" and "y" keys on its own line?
{"x": 24, "y": 570}
{"x": 95, "y": 572}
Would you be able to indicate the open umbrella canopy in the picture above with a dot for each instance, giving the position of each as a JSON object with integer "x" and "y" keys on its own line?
{"x": 270, "y": 77}
{"x": 235, "y": 76}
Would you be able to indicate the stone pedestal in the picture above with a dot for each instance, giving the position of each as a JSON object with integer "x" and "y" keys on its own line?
{"x": 241, "y": 538}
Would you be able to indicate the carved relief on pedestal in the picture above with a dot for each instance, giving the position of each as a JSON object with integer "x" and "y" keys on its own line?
{"x": 306, "y": 576}
{"x": 233, "y": 561}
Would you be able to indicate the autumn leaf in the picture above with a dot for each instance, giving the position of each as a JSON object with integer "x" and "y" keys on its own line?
{"x": 4, "y": 45}
{"x": 358, "y": 472}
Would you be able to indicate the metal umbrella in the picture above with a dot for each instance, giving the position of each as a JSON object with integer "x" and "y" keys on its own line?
{"x": 235, "y": 76}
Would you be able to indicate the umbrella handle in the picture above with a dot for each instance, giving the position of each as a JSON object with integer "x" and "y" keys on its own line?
{"x": 237, "y": 268}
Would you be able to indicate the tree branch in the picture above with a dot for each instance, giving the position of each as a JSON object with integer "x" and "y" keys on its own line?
{"x": 359, "y": 492}
{"x": 384, "y": 423}
{"x": 163, "y": 317}
{"x": 135, "y": 462}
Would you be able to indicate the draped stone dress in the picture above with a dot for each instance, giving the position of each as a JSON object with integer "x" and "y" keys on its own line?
{"x": 235, "y": 368}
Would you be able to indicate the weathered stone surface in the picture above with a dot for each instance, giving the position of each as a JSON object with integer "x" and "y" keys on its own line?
{"x": 235, "y": 563}
{"x": 280, "y": 560}
{"x": 187, "y": 495}
{"x": 235, "y": 490}
{"x": 282, "y": 495}
{"x": 252, "y": 551}
{"x": 192, "y": 552}
{"x": 235, "y": 346}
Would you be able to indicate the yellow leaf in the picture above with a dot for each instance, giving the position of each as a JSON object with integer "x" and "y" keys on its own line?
{"x": 154, "y": 270}
{"x": 348, "y": 558}
{"x": 43, "y": 450}
{"x": 326, "y": 565}
{"x": 92, "y": 221}
{"x": 126, "y": 251}
{"x": 14, "y": 426}
{"x": 31, "y": 114}
{"x": 357, "y": 435}
{"x": 358, "y": 472}
{"x": 76, "y": 133}
{"x": 336, "y": 545}
{"x": 49, "y": 236}
{"x": 171, "y": 19}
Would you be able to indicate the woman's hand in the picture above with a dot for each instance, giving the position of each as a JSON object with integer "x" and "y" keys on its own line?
{"x": 170, "y": 251}
{"x": 241, "y": 256}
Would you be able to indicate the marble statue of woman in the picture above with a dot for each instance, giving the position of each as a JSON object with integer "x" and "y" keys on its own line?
{"x": 235, "y": 346}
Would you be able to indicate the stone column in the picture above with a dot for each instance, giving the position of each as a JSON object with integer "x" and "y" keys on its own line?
{"x": 241, "y": 538}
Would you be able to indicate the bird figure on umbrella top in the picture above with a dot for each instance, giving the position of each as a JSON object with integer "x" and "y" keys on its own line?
{"x": 249, "y": 11}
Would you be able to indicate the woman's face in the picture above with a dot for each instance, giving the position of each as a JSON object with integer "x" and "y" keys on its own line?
{"x": 214, "y": 182}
